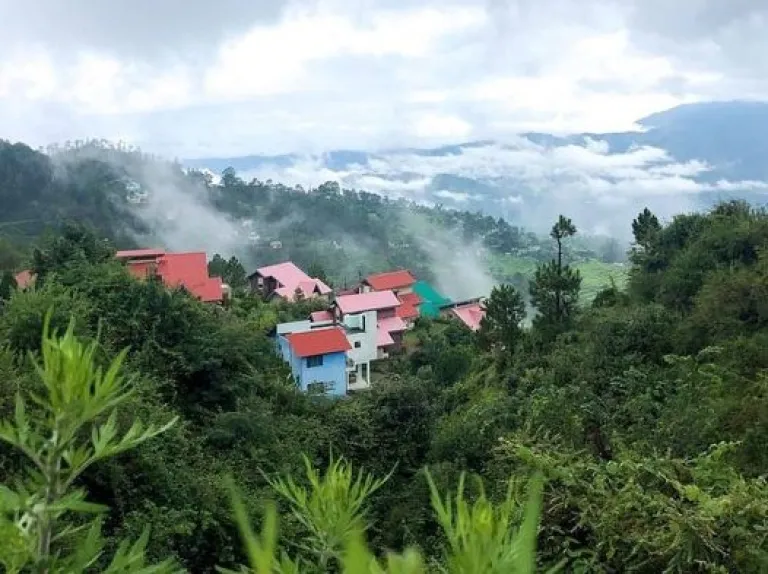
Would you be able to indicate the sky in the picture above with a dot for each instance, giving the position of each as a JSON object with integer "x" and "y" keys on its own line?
{"x": 194, "y": 78}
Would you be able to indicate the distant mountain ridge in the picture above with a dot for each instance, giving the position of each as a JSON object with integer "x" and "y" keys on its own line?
{"x": 685, "y": 158}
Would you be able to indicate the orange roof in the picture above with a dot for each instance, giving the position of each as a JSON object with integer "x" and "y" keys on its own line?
{"x": 190, "y": 270}
{"x": 409, "y": 307}
{"x": 391, "y": 280}
{"x": 318, "y": 342}
{"x": 24, "y": 279}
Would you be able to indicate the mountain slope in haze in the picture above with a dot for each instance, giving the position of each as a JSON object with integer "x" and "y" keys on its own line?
{"x": 683, "y": 159}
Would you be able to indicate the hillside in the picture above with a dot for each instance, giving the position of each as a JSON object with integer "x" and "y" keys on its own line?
{"x": 625, "y": 435}
{"x": 137, "y": 200}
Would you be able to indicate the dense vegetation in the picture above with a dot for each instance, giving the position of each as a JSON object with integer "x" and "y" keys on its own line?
{"x": 645, "y": 411}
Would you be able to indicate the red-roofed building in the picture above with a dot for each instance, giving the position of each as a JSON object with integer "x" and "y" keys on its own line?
{"x": 190, "y": 270}
{"x": 187, "y": 270}
{"x": 287, "y": 281}
{"x": 317, "y": 357}
{"x": 409, "y": 307}
{"x": 400, "y": 281}
{"x": 318, "y": 342}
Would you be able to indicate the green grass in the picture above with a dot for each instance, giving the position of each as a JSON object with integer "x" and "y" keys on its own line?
{"x": 595, "y": 274}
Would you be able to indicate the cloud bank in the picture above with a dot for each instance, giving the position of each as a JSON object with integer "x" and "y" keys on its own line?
{"x": 529, "y": 183}
{"x": 190, "y": 80}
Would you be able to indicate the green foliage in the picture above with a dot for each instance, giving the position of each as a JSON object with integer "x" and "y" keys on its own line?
{"x": 555, "y": 287}
{"x": 504, "y": 314}
{"x": 331, "y": 510}
{"x": 480, "y": 536}
{"x": 61, "y": 436}
{"x": 230, "y": 270}
{"x": 7, "y": 285}
{"x": 663, "y": 514}
{"x": 623, "y": 405}
{"x": 23, "y": 316}
{"x": 68, "y": 250}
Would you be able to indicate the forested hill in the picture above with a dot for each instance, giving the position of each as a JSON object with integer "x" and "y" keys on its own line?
{"x": 138, "y": 200}
{"x": 646, "y": 414}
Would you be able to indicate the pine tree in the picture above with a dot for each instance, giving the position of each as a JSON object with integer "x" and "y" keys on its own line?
{"x": 555, "y": 287}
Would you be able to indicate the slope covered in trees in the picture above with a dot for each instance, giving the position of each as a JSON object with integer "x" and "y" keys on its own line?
{"x": 646, "y": 412}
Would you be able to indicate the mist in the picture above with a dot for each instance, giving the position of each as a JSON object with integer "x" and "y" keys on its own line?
{"x": 179, "y": 213}
{"x": 459, "y": 267}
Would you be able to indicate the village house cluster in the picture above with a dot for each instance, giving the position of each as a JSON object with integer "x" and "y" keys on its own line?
{"x": 332, "y": 350}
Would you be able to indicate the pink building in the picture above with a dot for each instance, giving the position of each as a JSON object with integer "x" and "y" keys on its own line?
{"x": 287, "y": 281}
{"x": 389, "y": 327}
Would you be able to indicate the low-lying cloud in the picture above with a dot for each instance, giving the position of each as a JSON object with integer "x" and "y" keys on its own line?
{"x": 529, "y": 183}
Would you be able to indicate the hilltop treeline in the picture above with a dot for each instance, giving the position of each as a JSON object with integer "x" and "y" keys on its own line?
{"x": 645, "y": 411}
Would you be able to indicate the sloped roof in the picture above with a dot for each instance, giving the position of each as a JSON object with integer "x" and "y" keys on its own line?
{"x": 291, "y": 278}
{"x": 432, "y": 301}
{"x": 321, "y": 316}
{"x": 318, "y": 342}
{"x": 190, "y": 270}
{"x": 409, "y": 306}
{"x": 392, "y": 325}
{"x": 470, "y": 315}
{"x": 139, "y": 253}
{"x": 383, "y": 338}
{"x": 286, "y": 273}
{"x": 391, "y": 280}
{"x": 372, "y": 301}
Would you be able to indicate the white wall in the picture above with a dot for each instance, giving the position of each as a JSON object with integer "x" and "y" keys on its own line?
{"x": 367, "y": 339}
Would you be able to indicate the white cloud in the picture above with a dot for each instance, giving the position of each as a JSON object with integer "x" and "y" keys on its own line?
{"x": 185, "y": 79}
{"x": 441, "y": 127}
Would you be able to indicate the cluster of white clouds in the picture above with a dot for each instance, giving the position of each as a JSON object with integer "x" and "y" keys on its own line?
{"x": 193, "y": 78}
{"x": 530, "y": 183}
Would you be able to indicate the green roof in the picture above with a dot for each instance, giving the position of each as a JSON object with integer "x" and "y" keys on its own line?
{"x": 431, "y": 299}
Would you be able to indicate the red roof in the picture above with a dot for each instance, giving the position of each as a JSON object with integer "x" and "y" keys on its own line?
{"x": 391, "y": 280}
{"x": 191, "y": 271}
{"x": 24, "y": 279}
{"x": 188, "y": 270}
{"x": 318, "y": 342}
{"x": 140, "y": 253}
{"x": 409, "y": 306}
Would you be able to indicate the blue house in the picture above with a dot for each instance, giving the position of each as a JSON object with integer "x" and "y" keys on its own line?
{"x": 318, "y": 359}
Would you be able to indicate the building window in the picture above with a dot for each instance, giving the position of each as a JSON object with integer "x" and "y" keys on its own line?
{"x": 358, "y": 344}
{"x": 316, "y": 361}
